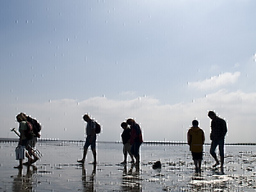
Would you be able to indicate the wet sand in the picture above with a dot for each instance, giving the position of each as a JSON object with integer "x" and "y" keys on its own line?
{"x": 58, "y": 170}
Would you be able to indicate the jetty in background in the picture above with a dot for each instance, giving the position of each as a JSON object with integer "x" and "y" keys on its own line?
{"x": 117, "y": 142}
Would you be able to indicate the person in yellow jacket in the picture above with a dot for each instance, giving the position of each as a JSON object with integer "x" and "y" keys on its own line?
{"x": 195, "y": 138}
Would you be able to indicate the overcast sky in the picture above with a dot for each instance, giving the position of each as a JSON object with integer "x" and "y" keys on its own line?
{"x": 163, "y": 63}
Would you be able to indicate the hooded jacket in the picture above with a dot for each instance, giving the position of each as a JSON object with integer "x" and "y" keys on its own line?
{"x": 195, "y": 138}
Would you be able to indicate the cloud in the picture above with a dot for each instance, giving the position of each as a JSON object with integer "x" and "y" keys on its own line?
{"x": 216, "y": 81}
{"x": 63, "y": 118}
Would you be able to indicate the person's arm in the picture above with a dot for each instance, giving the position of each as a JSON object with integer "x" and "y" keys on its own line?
{"x": 203, "y": 137}
{"x": 189, "y": 138}
{"x": 225, "y": 130}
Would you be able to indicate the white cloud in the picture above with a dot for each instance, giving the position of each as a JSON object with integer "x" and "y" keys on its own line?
{"x": 216, "y": 81}
{"x": 63, "y": 118}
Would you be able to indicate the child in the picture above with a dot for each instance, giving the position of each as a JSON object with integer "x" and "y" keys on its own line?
{"x": 126, "y": 141}
{"x": 195, "y": 138}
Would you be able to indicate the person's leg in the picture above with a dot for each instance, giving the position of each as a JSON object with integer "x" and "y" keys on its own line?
{"x": 195, "y": 161}
{"x": 199, "y": 165}
{"x": 86, "y": 145}
{"x": 221, "y": 149}
{"x": 129, "y": 151}
{"x": 93, "y": 147}
{"x": 94, "y": 156}
{"x": 35, "y": 157}
{"x": 137, "y": 152}
{"x": 196, "y": 166}
{"x": 125, "y": 153}
{"x": 200, "y": 158}
{"x": 212, "y": 152}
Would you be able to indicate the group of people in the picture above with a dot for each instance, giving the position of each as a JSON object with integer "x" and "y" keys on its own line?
{"x": 132, "y": 140}
{"x": 196, "y": 138}
{"x": 131, "y": 137}
{"x": 27, "y": 140}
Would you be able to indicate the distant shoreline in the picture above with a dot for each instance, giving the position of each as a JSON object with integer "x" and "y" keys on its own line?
{"x": 2, "y": 140}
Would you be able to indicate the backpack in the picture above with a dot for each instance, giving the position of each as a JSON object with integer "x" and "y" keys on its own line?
{"x": 29, "y": 131}
{"x": 35, "y": 126}
{"x": 97, "y": 127}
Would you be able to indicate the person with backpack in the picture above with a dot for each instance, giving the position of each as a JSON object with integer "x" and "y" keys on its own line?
{"x": 195, "y": 139}
{"x": 135, "y": 140}
{"x": 32, "y": 137}
{"x": 92, "y": 128}
{"x": 21, "y": 151}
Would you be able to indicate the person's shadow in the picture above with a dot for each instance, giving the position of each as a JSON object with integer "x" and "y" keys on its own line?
{"x": 88, "y": 181}
{"x": 24, "y": 182}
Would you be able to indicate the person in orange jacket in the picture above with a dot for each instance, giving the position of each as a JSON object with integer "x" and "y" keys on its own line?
{"x": 195, "y": 139}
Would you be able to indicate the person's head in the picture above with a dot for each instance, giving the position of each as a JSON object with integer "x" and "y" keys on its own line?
{"x": 130, "y": 121}
{"x": 211, "y": 114}
{"x": 195, "y": 123}
{"x": 23, "y": 114}
{"x": 21, "y": 117}
{"x": 124, "y": 125}
{"x": 86, "y": 118}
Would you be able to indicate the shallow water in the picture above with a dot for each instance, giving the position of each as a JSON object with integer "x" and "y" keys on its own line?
{"x": 57, "y": 170}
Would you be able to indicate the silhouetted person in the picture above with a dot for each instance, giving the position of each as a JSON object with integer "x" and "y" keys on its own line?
{"x": 195, "y": 138}
{"x": 136, "y": 139}
{"x": 23, "y": 141}
{"x": 33, "y": 140}
{"x": 218, "y": 133}
{"x": 90, "y": 139}
{"x": 126, "y": 135}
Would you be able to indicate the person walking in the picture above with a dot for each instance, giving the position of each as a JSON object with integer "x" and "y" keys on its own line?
{"x": 21, "y": 151}
{"x": 90, "y": 138}
{"x": 135, "y": 140}
{"x": 195, "y": 139}
{"x": 126, "y": 135}
{"x": 33, "y": 140}
{"x": 218, "y": 133}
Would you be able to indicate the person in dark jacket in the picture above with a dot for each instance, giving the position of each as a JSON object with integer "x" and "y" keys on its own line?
{"x": 218, "y": 133}
{"x": 126, "y": 135}
{"x": 135, "y": 140}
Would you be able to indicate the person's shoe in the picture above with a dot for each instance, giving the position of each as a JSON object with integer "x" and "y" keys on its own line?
{"x": 222, "y": 170}
{"x": 18, "y": 167}
{"x": 93, "y": 163}
{"x": 123, "y": 163}
{"x": 80, "y": 161}
{"x": 216, "y": 164}
{"x": 26, "y": 163}
{"x": 34, "y": 160}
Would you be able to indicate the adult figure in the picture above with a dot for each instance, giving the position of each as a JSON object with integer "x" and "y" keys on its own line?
{"x": 90, "y": 138}
{"x": 136, "y": 139}
{"x": 33, "y": 140}
{"x": 195, "y": 139}
{"x": 23, "y": 140}
{"x": 126, "y": 135}
{"x": 218, "y": 133}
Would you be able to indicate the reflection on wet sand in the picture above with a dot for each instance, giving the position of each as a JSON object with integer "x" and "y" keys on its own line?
{"x": 24, "y": 182}
{"x": 88, "y": 181}
{"x": 131, "y": 180}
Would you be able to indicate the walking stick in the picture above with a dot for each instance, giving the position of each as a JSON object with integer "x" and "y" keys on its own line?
{"x": 35, "y": 151}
